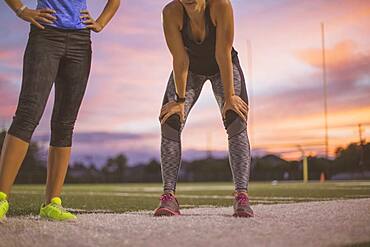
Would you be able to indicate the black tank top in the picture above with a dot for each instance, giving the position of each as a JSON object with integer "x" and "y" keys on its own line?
{"x": 202, "y": 55}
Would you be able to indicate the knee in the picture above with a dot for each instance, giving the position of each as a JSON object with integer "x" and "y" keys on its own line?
{"x": 61, "y": 133}
{"x": 234, "y": 124}
{"x": 26, "y": 119}
{"x": 171, "y": 128}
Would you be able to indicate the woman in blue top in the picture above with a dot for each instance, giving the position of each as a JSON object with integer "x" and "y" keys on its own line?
{"x": 58, "y": 52}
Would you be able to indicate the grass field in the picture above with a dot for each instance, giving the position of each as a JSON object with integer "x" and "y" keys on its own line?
{"x": 88, "y": 198}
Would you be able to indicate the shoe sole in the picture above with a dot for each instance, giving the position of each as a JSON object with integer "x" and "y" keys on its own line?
{"x": 56, "y": 220}
{"x": 243, "y": 215}
{"x": 165, "y": 212}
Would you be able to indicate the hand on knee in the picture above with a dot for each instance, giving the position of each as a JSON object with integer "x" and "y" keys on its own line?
{"x": 170, "y": 109}
{"x": 238, "y": 105}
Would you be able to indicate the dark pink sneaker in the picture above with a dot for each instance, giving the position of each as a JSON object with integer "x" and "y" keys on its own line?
{"x": 168, "y": 206}
{"x": 241, "y": 205}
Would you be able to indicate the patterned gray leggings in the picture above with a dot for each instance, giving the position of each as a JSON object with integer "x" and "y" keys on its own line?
{"x": 239, "y": 148}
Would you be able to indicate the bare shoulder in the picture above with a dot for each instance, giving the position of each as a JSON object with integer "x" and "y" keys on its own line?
{"x": 219, "y": 5}
{"x": 218, "y": 8}
{"x": 172, "y": 11}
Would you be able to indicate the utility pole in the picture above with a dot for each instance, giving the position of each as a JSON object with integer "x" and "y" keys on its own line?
{"x": 325, "y": 90}
{"x": 360, "y": 132}
{"x": 209, "y": 145}
{"x": 362, "y": 144}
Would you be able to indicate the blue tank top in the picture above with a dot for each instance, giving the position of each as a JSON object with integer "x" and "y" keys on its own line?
{"x": 67, "y": 12}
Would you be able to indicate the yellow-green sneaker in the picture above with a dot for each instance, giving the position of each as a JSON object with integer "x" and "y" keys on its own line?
{"x": 55, "y": 211}
{"x": 4, "y": 205}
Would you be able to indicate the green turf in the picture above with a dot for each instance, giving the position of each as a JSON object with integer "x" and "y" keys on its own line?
{"x": 26, "y": 199}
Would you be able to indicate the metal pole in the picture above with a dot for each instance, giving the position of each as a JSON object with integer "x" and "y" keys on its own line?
{"x": 325, "y": 85}
{"x": 304, "y": 164}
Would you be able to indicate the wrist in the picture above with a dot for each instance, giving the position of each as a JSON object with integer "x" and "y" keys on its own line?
{"x": 101, "y": 25}
{"x": 228, "y": 97}
{"x": 20, "y": 10}
{"x": 180, "y": 99}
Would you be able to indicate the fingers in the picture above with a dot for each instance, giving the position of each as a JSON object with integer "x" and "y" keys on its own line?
{"x": 170, "y": 109}
{"x": 91, "y": 26}
{"x": 42, "y": 19}
{"x": 166, "y": 106}
{"x": 241, "y": 115}
{"x": 244, "y": 104}
{"x": 47, "y": 11}
{"x": 240, "y": 108}
{"x": 244, "y": 109}
{"x": 162, "y": 114}
{"x": 47, "y": 16}
{"x": 241, "y": 111}
{"x": 245, "y": 114}
{"x": 85, "y": 12}
{"x": 89, "y": 22}
{"x": 164, "y": 119}
{"x": 164, "y": 111}
{"x": 84, "y": 16}
{"x": 38, "y": 25}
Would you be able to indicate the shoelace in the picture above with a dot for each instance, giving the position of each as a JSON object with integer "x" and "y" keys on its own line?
{"x": 166, "y": 197}
{"x": 61, "y": 208}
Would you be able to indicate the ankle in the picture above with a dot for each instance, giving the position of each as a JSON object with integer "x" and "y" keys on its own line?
{"x": 169, "y": 192}
{"x": 3, "y": 196}
{"x": 237, "y": 192}
{"x": 51, "y": 198}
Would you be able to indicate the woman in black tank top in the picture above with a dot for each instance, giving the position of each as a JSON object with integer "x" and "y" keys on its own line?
{"x": 202, "y": 53}
{"x": 199, "y": 35}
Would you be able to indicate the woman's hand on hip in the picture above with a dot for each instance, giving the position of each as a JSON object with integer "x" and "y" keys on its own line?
{"x": 236, "y": 104}
{"x": 38, "y": 16}
{"x": 170, "y": 109}
{"x": 90, "y": 22}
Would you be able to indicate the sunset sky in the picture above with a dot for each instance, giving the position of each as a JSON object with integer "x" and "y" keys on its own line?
{"x": 131, "y": 65}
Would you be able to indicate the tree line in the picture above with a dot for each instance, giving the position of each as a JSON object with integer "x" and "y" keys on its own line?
{"x": 351, "y": 162}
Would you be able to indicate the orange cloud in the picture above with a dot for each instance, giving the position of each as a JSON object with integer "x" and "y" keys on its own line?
{"x": 341, "y": 53}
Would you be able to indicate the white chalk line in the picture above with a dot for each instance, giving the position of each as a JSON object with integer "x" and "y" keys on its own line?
{"x": 260, "y": 199}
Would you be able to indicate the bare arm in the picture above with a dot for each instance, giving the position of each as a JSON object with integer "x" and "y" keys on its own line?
{"x": 109, "y": 11}
{"x": 224, "y": 43}
{"x": 107, "y": 14}
{"x": 14, "y": 4}
{"x": 171, "y": 27}
{"x": 31, "y": 15}
{"x": 176, "y": 46}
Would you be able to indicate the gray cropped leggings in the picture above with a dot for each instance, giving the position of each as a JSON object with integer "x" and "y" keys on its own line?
{"x": 53, "y": 55}
{"x": 239, "y": 148}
